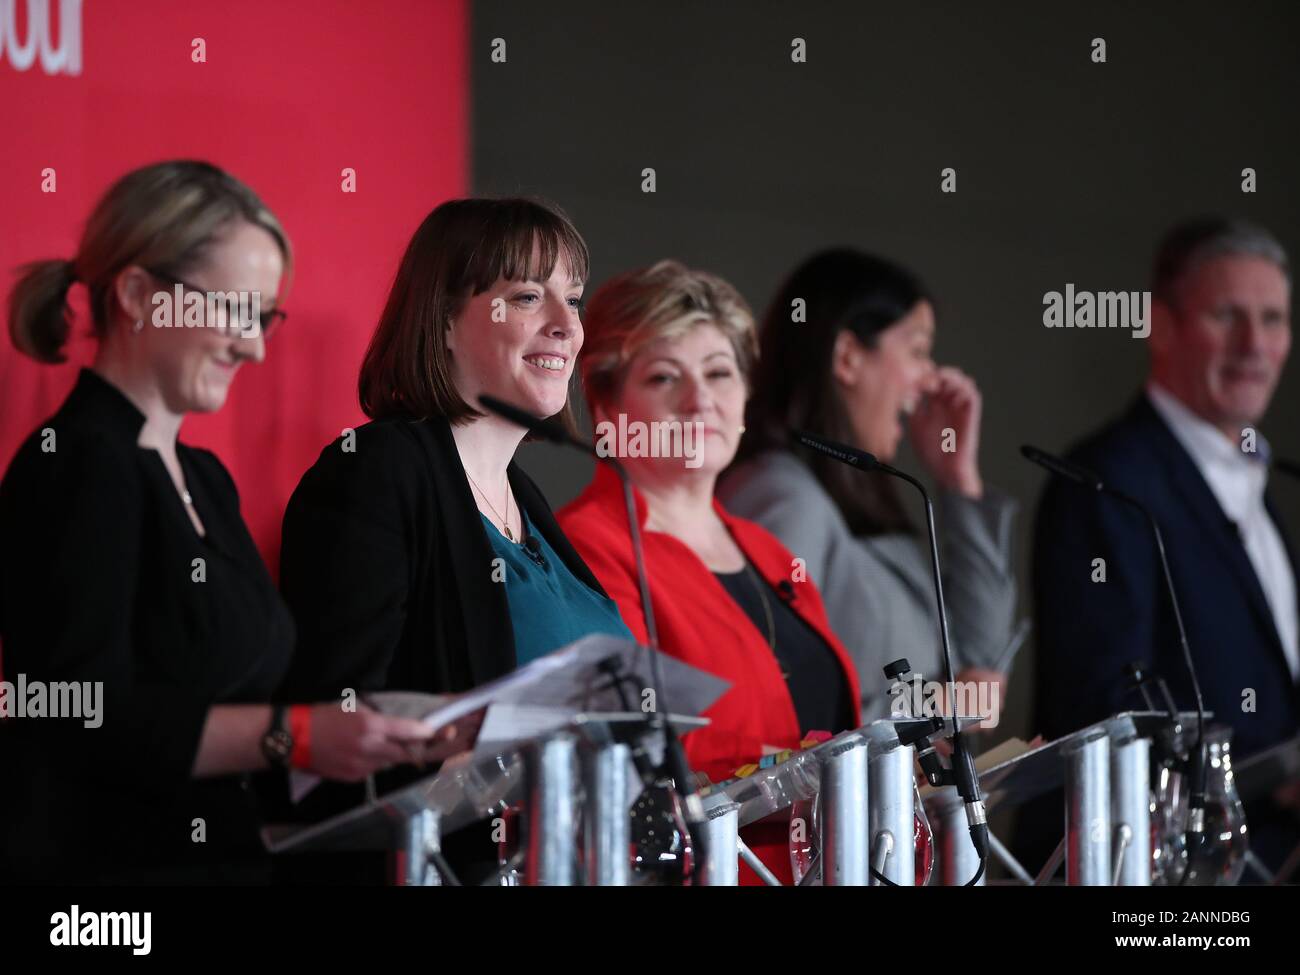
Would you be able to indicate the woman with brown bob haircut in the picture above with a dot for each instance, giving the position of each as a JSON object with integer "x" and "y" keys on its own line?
{"x": 416, "y": 554}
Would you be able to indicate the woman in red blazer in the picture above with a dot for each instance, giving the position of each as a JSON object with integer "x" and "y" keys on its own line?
{"x": 665, "y": 369}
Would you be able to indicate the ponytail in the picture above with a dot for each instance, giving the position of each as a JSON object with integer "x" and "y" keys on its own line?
{"x": 165, "y": 215}
{"x": 39, "y": 319}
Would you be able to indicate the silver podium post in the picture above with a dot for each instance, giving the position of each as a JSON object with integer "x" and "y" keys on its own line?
{"x": 721, "y": 868}
{"x": 958, "y": 860}
{"x": 845, "y": 815}
{"x": 552, "y": 809}
{"x": 421, "y": 842}
{"x": 1130, "y": 780}
{"x": 608, "y": 835}
{"x": 892, "y": 811}
{"x": 1087, "y": 812}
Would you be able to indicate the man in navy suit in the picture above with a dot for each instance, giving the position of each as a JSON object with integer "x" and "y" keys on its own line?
{"x": 1188, "y": 448}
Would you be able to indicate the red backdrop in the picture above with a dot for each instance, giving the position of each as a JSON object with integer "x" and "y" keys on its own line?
{"x": 292, "y": 92}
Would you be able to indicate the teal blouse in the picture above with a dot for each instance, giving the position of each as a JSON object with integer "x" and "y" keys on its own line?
{"x": 550, "y": 607}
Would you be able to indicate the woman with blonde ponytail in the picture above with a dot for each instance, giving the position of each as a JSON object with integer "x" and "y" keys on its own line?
{"x": 127, "y": 573}
{"x": 39, "y": 319}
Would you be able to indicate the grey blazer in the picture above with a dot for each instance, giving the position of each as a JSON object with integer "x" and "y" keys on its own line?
{"x": 878, "y": 590}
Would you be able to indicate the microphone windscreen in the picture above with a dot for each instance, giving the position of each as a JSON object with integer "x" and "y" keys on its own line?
{"x": 534, "y": 549}
{"x": 538, "y": 427}
{"x": 839, "y": 451}
{"x": 1288, "y": 467}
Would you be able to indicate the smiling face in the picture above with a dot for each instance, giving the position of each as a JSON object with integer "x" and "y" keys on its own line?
{"x": 193, "y": 368}
{"x": 518, "y": 341}
{"x": 1221, "y": 349}
{"x": 881, "y": 384}
{"x": 693, "y": 377}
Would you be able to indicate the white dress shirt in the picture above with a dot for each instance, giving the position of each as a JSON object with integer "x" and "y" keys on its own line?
{"x": 1237, "y": 479}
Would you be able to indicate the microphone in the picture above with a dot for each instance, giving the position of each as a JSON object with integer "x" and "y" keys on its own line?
{"x": 534, "y": 549}
{"x": 1083, "y": 476}
{"x": 538, "y": 426}
{"x": 1066, "y": 469}
{"x": 962, "y": 774}
{"x": 1288, "y": 467}
{"x": 674, "y": 754}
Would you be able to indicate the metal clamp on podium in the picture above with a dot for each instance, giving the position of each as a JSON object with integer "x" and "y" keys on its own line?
{"x": 1105, "y": 773}
{"x": 860, "y": 789}
{"x": 556, "y": 742}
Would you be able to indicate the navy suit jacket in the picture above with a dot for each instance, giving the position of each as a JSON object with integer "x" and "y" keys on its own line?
{"x": 1089, "y": 631}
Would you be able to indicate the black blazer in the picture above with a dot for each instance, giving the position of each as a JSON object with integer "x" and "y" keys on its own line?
{"x": 388, "y": 569}
{"x": 98, "y": 582}
{"x": 1089, "y": 630}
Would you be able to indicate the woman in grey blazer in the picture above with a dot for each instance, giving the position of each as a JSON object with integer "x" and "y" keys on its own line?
{"x": 846, "y": 353}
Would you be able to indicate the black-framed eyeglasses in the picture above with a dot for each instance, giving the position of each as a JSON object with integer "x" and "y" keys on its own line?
{"x": 234, "y": 302}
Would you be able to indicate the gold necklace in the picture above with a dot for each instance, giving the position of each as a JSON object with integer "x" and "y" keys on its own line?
{"x": 505, "y": 522}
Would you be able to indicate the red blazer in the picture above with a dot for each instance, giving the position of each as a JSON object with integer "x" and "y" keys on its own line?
{"x": 701, "y": 624}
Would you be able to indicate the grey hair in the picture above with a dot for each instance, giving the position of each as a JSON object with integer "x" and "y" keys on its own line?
{"x": 1190, "y": 244}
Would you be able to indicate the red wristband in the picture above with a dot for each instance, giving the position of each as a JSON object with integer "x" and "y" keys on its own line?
{"x": 300, "y": 731}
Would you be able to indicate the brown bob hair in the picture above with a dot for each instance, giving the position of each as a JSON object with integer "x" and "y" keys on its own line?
{"x": 460, "y": 250}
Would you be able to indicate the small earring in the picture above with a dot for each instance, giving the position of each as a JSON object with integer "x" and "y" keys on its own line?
{"x": 138, "y": 326}
{"x": 742, "y": 428}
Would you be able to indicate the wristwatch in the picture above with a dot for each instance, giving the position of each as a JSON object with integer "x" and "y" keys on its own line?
{"x": 277, "y": 743}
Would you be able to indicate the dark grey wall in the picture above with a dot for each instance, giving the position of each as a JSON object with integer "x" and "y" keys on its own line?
{"x": 1067, "y": 170}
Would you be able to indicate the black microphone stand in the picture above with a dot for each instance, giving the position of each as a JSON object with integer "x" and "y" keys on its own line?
{"x": 1086, "y": 478}
{"x": 961, "y": 773}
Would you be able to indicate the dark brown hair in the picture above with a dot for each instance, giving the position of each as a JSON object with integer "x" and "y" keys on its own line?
{"x": 840, "y": 290}
{"x": 164, "y": 216}
{"x": 460, "y": 250}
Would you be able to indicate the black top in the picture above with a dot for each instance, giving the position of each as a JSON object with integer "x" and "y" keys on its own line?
{"x": 389, "y": 572}
{"x": 104, "y": 578}
{"x": 821, "y": 694}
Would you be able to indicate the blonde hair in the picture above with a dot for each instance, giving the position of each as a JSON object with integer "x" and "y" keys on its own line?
{"x": 163, "y": 217}
{"x": 633, "y": 309}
